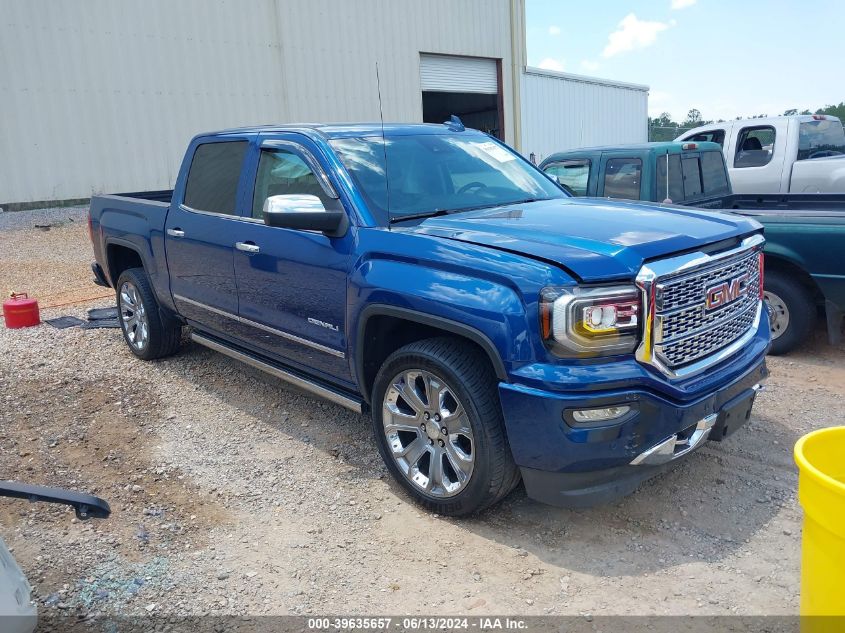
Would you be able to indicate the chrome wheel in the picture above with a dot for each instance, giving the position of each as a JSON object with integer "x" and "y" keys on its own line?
{"x": 778, "y": 314}
{"x": 428, "y": 433}
{"x": 133, "y": 316}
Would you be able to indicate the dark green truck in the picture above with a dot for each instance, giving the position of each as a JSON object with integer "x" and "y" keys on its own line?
{"x": 805, "y": 233}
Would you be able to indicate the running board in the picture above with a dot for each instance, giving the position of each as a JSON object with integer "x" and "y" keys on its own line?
{"x": 277, "y": 371}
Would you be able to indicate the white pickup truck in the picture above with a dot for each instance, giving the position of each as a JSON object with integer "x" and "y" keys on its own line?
{"x": 785, "y": 154}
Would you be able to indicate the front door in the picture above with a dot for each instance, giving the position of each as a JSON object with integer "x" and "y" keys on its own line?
{"x": 198, "y": 237}
{"x": 292, "y": 283}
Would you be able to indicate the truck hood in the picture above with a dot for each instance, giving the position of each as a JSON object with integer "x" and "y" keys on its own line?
{"x": 594, "y": 239}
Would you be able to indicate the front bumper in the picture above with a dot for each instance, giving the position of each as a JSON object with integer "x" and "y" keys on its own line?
{"x": 576, "y": 466}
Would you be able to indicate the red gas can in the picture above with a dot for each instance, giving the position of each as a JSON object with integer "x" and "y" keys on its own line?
{"x": 20, "y": 311}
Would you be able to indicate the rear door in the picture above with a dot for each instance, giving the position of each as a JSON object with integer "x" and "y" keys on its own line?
{"x": 206, "y": 210}
{"x": 620, "y": 177}
{"x": 292, "y": 283}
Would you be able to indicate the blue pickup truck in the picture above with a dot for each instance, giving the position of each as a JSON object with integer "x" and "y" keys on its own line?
{"x": 496, "y": 328}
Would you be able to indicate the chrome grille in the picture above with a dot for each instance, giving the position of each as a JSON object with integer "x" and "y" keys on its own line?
{"x": 685, "y": 330}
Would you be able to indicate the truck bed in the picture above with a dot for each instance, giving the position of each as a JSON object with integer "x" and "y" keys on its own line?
{"x": 789, "y": 204}
{"x": 132, "y": 221}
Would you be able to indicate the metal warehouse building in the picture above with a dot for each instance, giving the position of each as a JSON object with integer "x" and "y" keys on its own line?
{"x": 103, "y": 95}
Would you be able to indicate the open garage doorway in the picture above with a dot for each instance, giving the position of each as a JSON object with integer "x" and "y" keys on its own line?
{"x": 469, "y": 87}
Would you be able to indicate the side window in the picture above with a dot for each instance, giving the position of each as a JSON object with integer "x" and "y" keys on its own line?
{"x": 710, "y": 136}
{"x": 622, "y": 178}
{"x": 692, "y": 177}
{"x": 713, "y": 174}
{"x": 670, "y": 185}
{"x": 213, "y": 177}
{"x": 754, "y": 146}
{"x": 282, "y": 172}
{"x": 575, "y": 174}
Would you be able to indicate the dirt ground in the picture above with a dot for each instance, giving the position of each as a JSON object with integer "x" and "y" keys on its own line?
{"x": 235, "y": 494}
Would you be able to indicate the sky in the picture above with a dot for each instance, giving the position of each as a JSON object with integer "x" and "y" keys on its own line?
{"x": 725, "y": 58}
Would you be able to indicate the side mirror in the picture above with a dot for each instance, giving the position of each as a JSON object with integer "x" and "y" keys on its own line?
{"x": 304, "y": 212}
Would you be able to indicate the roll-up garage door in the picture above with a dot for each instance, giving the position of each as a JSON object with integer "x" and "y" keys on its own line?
{"x": 445, "y": 73}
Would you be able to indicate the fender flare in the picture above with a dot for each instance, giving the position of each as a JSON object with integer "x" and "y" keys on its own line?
{"x": 132, "y": 246}
{"x": 455, "y": 327}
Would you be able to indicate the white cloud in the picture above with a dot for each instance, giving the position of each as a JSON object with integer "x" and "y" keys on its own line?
{"x": 555, "y": 30}
{"x": 589, "y": 65}
{"x": 552, "y": 64}
{"x": 682, "y": 4}
{"x": 632, "y": 34}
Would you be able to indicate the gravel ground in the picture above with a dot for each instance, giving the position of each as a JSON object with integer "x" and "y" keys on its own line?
{"x": 234, "y": 494}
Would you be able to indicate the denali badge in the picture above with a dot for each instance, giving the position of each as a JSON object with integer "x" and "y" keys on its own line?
{"x": 328, "y": 326}
{"x": 726, "y": 292}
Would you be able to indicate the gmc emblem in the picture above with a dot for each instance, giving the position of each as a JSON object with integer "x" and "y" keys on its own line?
{"x": 726, "y": 292}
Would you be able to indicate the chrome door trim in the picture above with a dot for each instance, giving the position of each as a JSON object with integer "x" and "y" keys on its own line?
{"x": 302, "y": 383}
{"x": 261, "y": 326}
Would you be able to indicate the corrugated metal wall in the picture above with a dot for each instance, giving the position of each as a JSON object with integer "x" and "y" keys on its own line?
{"x": 331, "y": 47}
{"x": 103, "y": 95}
{"x": 562, "y": 111}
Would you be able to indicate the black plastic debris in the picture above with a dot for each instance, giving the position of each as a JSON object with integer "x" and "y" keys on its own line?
{"x": 96, "y": 314}
{"x": 101, "y": 323}
{"x": 64, "y": 322}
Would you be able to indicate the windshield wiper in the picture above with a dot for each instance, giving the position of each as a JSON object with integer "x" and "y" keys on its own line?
{"x": 419, "y": 216}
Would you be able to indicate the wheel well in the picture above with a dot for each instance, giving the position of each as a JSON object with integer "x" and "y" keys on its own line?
{"x": 786, "y": 267}
{"x": 121, "y": 258}
{"x": 384, "y": 334}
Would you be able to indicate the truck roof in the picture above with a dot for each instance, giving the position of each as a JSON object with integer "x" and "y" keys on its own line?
{"x": 670, "y": 147}
{"x": 340, "y": 130}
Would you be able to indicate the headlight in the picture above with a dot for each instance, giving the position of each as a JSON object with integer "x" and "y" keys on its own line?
{"x": 590, "y": 321}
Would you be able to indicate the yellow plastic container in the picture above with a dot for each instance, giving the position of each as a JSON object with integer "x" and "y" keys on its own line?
{"x": 820, "y": 456}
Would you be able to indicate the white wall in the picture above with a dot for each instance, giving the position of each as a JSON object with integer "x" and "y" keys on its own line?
{"x": 562, "y": 111}
{"x": 103, "y": 95}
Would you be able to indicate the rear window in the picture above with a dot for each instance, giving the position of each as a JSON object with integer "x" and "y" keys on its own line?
{"x": 622, "y": 178}
{"x": 713, "y": 174}
{"x": 213, "y": 178}
{"x": 817, "y": 139}
{"x": 573, "y": 174}
{"x": 691, "y": 177}
{"x": 671, "y": 188}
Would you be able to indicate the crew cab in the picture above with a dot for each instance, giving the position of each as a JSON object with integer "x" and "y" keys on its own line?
{"x": 496, "y": 328}
{"x": 804, "y": 232}
{"x": 786, "y": 154}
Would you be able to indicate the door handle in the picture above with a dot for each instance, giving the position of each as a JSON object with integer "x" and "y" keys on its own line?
{"x": 176, "y": 232}
{"x": 247, "y": 247}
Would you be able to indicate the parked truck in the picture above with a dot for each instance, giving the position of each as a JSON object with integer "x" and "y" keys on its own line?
{"x": 804, "y": 232}
{"x": 495, "y": 328}
{"x": 785, "y": 154}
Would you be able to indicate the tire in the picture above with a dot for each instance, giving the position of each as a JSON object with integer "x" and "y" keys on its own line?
{"x": 148, "y": 333}
{"x": 463, "y": 377}
{"x": 792, "y": 311}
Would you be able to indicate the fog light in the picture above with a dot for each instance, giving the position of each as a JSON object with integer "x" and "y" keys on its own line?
{"x": 599, "y": 415}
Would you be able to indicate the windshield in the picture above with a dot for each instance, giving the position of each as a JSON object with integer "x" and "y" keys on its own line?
{"x": 817, "y": 139}
{"x": 428, "y": 173}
